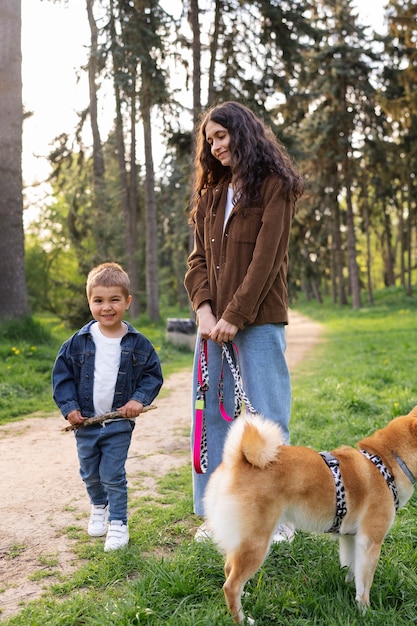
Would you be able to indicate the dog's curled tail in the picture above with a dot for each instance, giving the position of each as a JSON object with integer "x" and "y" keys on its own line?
{"x": 256, "y": 437}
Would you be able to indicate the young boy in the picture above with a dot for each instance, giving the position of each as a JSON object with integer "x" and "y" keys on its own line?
{"x": 106, "y": 366}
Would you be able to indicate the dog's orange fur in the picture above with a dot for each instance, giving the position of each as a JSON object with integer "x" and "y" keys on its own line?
{"x": 262, "y": 482}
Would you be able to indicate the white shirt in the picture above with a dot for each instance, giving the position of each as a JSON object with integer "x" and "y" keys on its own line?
{"x": 106, "y": 368}
{"x": 229, "y": 205}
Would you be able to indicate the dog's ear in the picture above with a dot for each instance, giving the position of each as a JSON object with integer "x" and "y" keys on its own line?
{"x": 413, "y": 412}
{"x": 413, "y": 427}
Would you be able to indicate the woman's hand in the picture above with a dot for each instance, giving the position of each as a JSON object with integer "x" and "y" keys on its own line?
{"x": 223, "y": 331}
{"x": 206, "y": 320}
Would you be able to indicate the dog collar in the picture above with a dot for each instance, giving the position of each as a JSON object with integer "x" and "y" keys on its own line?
{"x": 405, "y": 469}
{"x": 341, "y": 508}
{"x": 389, "y": 479}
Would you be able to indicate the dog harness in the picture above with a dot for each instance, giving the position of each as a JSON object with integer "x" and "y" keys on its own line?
{"x": 389, "y": 478}
{"x": 341, "y": 508}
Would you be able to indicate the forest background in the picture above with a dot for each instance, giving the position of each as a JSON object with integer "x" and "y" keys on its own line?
{"x": 341, "y": 97}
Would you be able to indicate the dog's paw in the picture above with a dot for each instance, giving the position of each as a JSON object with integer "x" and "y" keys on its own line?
{"x": 349, "y": 576}
{"x": 363, "y": 604}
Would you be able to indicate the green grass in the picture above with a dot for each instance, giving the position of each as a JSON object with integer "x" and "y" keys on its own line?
{"x": 363, "y": 373}
{"x": 360, "y": 375}
{"x": 27, "y": 353}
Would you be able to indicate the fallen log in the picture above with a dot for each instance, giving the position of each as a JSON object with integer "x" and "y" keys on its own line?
{"x": 89, "y": 421}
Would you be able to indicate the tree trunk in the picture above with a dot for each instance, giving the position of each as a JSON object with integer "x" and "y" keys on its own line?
{"x": 196, "y": 48}
{"x": 13, "y": 294}
{"x": 351, "y": 246}
{"x": 152, "y": 290}
{"x": 389, "y": 255}
{"x": 409, "y": 287}
{"x": 99, "y": 183}
{"x": 213, "y": 52}
{"x": 367, "y": 221}
{"x": 128, "y": 205}
{"x": 337, "y": 248}
{"x": 131, "y": 234}
{"x": 98, "y": 160}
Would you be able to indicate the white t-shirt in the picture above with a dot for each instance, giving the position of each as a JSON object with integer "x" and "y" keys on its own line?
{"x": 106, "y": 368}
{"x": 229, "y": 205}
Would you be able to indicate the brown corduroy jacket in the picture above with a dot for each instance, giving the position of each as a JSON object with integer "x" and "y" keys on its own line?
{"x": 242, "y": 270}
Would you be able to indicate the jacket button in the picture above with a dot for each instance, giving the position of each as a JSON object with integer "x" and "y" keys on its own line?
{"x": 212, "y": 240}
{"x": 217, "y": 267}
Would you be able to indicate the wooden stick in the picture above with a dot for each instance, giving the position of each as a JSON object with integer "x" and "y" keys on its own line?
{"x": 89, "y": 421}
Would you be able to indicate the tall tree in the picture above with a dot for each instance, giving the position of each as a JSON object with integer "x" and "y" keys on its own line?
{"x": 100, "y": 197}
{"x": 399, "y": 100}
{"x": 124, "y": 89}
{"x": 340, "y": 86}
{"x": 149, "y": 50}
{"x": 13, "y": 295}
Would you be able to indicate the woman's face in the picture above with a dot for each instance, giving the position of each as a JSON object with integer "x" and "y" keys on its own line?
{"x": 219, "y": 139}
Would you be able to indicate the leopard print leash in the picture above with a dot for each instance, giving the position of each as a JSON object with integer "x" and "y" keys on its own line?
{"x": 230, "y": 353}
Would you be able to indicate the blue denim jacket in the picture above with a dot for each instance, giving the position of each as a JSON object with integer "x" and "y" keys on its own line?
{"x": 139, "y": 377}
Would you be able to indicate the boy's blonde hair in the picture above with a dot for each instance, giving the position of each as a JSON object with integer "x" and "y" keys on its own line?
{"x": 108, "y": 275}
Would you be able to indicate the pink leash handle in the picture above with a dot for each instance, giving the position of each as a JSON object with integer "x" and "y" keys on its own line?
{"x": 200, "y": 463}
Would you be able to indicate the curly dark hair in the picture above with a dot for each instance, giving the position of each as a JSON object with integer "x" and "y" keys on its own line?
{"x": 255, "y": 154}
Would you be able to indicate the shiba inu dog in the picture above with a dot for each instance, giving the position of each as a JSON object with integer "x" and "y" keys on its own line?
{"x": 351, "y": 491}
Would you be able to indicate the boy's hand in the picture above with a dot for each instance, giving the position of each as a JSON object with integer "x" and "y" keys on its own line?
{"x": 133, "y": 408}
{"x": 75, "y": 417}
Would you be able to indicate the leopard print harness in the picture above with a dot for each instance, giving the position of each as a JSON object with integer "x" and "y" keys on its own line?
{"x": 341, "y": 508}
{"x": 384, "y": 471}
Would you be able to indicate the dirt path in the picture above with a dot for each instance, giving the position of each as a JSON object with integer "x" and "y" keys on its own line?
{"x": 42, "y": 493}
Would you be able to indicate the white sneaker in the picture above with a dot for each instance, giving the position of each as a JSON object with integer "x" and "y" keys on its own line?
{"x": 283, "y": 532}
{"x": 202, "y": 533}
{"x": 97, "y": 526}
{"x": 117, "y": 536}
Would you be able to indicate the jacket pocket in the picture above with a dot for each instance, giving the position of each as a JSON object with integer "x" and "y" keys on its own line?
{"x": 245, "y": 227}
{"x": 78, "y": 360}
{"x": 137, "y": 363}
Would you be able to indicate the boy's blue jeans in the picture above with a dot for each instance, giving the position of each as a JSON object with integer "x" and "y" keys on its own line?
{"x": 266, "y": 382}
{"x": 102, "y": 453}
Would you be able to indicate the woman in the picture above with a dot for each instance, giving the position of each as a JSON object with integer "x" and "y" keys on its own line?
{"x": 245, "y": 194}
